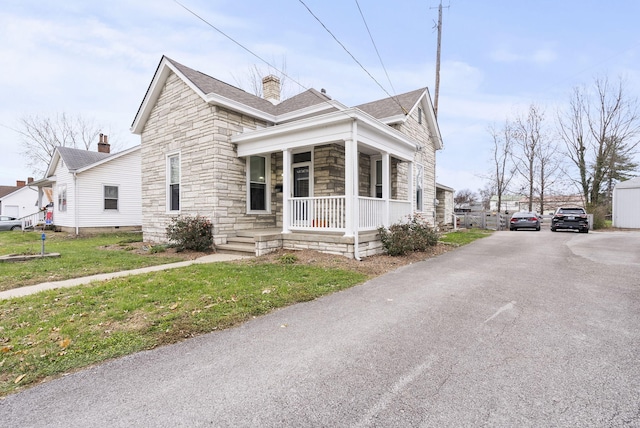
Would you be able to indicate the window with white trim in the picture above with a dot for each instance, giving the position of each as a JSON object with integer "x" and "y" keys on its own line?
{"x": 62, "y": 197}
{"x": 419, "y": 187}
{"x": 173, "y": 182}
{"x": 378, "y": 182}
{"x": 258, "y": 183}
{"x": 111, "y": 198}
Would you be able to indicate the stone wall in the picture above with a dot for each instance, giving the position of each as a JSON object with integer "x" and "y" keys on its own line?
{"x": 213, "y": 178}
{"x": 425, "y": 157}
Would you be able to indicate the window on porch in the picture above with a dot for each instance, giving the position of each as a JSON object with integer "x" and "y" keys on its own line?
{"x": 258, "y": 183}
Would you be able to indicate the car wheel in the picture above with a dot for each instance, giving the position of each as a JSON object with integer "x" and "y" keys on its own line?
{"x": 586, "y": 230}
{"x": 512, "y": 229}
{"x": 538, "y": 229}
{"x": 553, "y": 229}
{"x": 15, "y": 227}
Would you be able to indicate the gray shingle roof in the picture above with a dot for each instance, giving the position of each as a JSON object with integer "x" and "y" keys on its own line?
{"x": 393, "y": 106}
{"x": 75, "y": 159}
{"x": 211, "y": 85}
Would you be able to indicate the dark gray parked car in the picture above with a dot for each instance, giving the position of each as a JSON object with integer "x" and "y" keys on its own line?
{"x": 574, "y": 218}
{"x": 524, "y": 220}
{"x": 10, "y": 223}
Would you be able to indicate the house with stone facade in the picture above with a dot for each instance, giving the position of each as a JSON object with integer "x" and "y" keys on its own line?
{"x": 306, "y": 172}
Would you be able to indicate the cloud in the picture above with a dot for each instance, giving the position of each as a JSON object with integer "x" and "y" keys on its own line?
{"x": 540, "y": 56}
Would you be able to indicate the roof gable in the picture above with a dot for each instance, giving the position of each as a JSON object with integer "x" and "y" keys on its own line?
{"x": 5, "y": 190}
{"x": 393, "y": 106}
{"x": 308, "y": 103}
{"x": 77, "y": 160}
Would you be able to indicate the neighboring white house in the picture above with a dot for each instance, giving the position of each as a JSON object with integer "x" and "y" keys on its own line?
{"x": 94, "y": 191}
{"x": 22, "y": 201}
{"x": 508, "y": 203}
{"x": 626, "y": 204}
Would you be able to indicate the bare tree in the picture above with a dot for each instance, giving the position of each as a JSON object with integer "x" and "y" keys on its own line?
{"x": 252, "y": 81}
{"x": 601, "y": 131}
{"x": 501, "y": 168}
{"x": 465, "y": 196}
{"x": 535, "y": 154}
{"x": 42, "y": 134}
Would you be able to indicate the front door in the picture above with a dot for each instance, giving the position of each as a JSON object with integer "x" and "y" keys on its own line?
{"x": 302, "y": 189}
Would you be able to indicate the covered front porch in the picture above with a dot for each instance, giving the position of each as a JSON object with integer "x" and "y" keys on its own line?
{"x": 340, "y": 175}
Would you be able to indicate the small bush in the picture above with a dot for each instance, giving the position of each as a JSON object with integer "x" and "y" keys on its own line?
{"x": 288, "y": 259}
{"x": 599, "y": 216}
{"x": 403, "y": 238}
{"x": 157, "y": 249}
{"x": 190, "y": 233}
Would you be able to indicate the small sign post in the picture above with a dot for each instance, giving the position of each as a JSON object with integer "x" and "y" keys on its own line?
{"x": 43, "y": 238}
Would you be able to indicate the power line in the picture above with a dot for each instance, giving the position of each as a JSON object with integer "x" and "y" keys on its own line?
{"x": 375, "y": 47}
{"x": 353, "y": 57}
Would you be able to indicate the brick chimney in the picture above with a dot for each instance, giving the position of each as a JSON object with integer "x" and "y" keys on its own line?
{"x": 20, "y": 183}
{"x": 29, "y": 180}
{"x": 103, "y": 144}
{"x": 271, "y": 88}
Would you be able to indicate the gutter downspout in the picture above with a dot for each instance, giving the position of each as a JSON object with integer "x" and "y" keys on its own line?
{"x": 76, "y": 205}
{"x": 356, "y": 204}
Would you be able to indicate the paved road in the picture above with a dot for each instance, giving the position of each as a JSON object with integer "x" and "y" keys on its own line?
{"x": 523, "y": 329}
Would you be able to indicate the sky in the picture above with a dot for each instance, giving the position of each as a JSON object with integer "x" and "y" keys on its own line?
{"x": 95, "y": 59}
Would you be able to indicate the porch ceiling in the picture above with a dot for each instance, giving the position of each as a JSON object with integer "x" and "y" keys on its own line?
{"x": 372, "y": 136}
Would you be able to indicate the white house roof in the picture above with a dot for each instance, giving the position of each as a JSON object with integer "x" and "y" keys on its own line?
{"x": 77, "y": 160}
{"x": 629, "y": 184}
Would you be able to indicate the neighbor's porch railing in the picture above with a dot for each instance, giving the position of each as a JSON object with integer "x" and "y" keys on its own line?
{"x": 328, "y": 213}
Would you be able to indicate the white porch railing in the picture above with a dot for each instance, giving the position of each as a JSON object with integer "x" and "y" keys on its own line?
{"x": 329, "y": 213}
{"x": 33, "y": 220}
{"x": 326, "y": 213}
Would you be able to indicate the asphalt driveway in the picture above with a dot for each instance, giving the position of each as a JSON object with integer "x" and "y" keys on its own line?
{"x": 519, "y": 329}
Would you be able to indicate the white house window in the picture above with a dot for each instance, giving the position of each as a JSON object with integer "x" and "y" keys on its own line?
{"x": 258, "y": 183}
{"x": 111, "y": 197}
{"x": 62, "y": 197}
{"x": 419, "y": 186}
{"x": 173, "y": 182}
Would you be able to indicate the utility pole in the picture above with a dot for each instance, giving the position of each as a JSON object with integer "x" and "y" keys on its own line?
{"x": 437, "y": 91}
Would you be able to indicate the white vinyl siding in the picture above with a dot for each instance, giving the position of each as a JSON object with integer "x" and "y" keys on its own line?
{"x": 87, "y": 209}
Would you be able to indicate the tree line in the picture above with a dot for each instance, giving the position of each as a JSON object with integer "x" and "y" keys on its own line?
{"x": 589, "y": 147}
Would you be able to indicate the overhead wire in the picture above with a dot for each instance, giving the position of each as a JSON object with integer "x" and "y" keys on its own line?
{"x": 246, "y": 48}
{"x": 353, "y": 57}
{"x": 375, "y": 47}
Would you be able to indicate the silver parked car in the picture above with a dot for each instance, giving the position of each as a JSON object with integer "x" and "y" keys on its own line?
{"x": 524, "y": 220}
{"x": 10, "y": 223}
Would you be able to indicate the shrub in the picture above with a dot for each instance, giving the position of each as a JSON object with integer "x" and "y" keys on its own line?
{"x": 403, "y": 238}
{"x": 288, "y": 259}
{"x": 599, "y": 216}
{"x": 190, "y": 233}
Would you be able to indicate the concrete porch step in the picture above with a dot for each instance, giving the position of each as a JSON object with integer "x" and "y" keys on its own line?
{"x": 237, "y": 247}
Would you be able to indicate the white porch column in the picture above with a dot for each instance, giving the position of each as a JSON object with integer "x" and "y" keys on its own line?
{"x": 386, "y": 187}
{"x": 351, "y": 181}
{"x": 286, "y": 189}
{"x": 410, "y": 185}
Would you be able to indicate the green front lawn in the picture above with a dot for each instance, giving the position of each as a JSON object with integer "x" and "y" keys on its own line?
{"x": 56, "y": 331}
{"x": 464, "y": 236}
{"x": 79, "y": 257}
